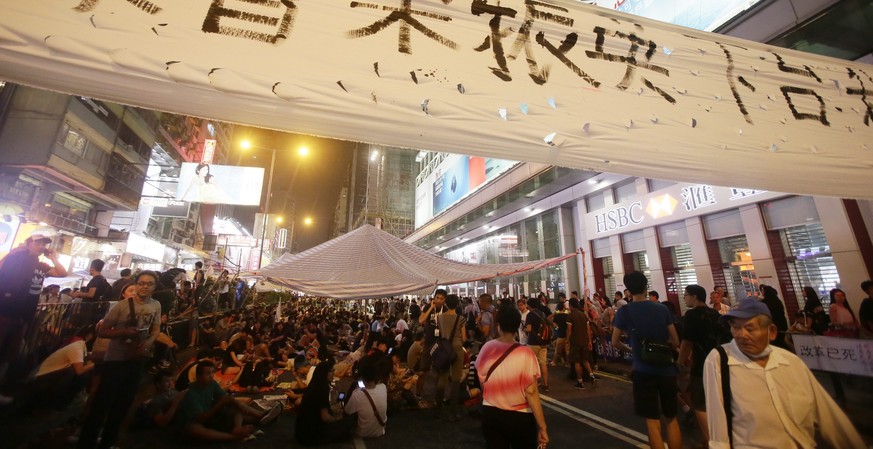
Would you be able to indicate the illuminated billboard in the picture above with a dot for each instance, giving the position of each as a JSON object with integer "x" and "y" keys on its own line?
{"x": 220, "y": 184}
{"x": 455, "y": 178}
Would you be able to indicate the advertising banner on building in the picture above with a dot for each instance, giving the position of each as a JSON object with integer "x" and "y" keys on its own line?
{"x": 548, "y": 81}
{"x": 220, "y": 184}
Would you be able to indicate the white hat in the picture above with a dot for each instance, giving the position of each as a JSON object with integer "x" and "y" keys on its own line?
{"x": 39, "y": 236}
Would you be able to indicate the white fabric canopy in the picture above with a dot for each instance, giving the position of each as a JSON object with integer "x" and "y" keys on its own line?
{"x": 550, "y": 81}
{"x": 370, "y": 263}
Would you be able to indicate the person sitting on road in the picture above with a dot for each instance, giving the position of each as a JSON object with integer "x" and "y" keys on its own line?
{"x": 207, "y": 413}
{"x": 161, "y": 408}
{"x": 401, "y": 385}
{"x": 369, "y": 402}
{"x": 316, "y": 423}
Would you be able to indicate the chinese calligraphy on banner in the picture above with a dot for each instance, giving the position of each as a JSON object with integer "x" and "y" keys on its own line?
{"x": 550, "y": 81}
{"x": 838, "y": 355}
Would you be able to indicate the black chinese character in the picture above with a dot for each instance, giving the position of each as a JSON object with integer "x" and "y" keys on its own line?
{"x": 282, "y": 21}
{"x": 522, "y": 40}
{"x": 849, "y": 354}
{"x": 404, "y": 16}
{"x": 806, "y": 351}
{"x": 833, "y": 353}
{"x": 145, "y": 5}
{"x": 631, "y": 59}
{"x": 868, "y": 115}
{"x": 733, "y": 84}
{"x": 788, "y": 90}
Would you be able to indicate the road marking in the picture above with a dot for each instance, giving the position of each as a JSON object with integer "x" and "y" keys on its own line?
{"x": 597, "y": 422}
{"x": 613, "y": 377}
{"x": 359, "y": 443}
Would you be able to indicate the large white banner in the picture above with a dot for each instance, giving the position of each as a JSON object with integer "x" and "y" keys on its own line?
{"x": 543, "y": 81}
{"x": 838, "y": 355}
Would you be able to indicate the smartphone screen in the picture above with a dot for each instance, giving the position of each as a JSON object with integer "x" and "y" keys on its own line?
{"x": 342, "y": 397}
{"x": 361, "y": 383}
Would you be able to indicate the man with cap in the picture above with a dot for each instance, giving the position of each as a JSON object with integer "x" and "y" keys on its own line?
{"x": 21, "y": 278}
{"x": 775, "y": 400}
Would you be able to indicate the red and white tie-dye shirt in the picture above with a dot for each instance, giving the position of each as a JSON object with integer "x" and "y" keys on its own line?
{"x": 506, "y": 386}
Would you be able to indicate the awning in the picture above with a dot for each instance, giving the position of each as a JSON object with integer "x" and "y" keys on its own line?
{"x": 370, "y": 263}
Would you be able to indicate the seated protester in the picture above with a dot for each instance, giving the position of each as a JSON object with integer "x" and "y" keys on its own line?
{"x": 161, "y": 408}
{"x": 401, "y": 385}
{"x": 369, "y": 403}
{"x": 303, "y": 373}
{"x": 208, "y": 337}
{"x": 207, "y": 413}
{"x": 188, "y": 373}
{"x": 164, "y": 347}
{"x": 64, "y": 373}
{"x": 316, "y": 424}
{"x": 471, "y": 388}
{"x": 234, "y": 357}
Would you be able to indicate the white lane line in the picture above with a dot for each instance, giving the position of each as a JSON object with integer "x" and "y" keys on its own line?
{"x": 606, "y": 430}
{"x": 359, "y": 443}
{"x": 592, "y": 417}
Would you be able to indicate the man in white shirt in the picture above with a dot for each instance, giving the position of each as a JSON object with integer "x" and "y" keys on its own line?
{"x": 369, "y": 401}
{"x": 776, "y": 401}
{"x": 401, "y": 324}
{"x": 522, "y": 307}
{"x": 64, "y": 373}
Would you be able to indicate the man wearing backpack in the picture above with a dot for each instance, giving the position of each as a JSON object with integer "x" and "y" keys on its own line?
{"x": 701, "y": 335}
{"x": 538, "y": 327}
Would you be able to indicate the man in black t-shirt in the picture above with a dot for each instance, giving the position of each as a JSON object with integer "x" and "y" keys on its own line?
{"x": 118, "y": 285}
{"x": 701, "y": 335}
{"x": 865, "y": 314}
{"x": 98, "y": 286}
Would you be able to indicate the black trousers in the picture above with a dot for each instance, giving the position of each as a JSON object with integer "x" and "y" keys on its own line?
{"x": 114, "y": 396}
{"x": 505, "y": 429}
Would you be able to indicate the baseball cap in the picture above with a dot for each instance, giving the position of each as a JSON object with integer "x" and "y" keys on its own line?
{"x": 39, "y": 237}
{"x": 749, "y": 308}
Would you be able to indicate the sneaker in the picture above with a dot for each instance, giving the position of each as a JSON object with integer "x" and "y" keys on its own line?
{"x": 251, "y": 437}
{"x": 271, "y": 415}
{"x": 258, "y": 433}
{"x": 165, "y": 364}
{"x": 6, "y": 400}
{"x": 579, "y": 385}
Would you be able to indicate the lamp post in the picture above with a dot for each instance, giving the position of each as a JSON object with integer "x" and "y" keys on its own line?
{"x": 303, "y": 152}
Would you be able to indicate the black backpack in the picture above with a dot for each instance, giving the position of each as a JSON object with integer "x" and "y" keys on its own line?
{"x": 104, "y": 291}
{"x": 718, "y": 330}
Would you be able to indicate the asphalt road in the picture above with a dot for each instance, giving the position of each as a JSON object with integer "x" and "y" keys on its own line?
{"x": 599, "y": 417}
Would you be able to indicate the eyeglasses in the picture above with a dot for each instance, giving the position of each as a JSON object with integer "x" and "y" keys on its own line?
{"x": 145, "y": 284}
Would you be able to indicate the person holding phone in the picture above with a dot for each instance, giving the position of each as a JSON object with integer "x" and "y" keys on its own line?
{"x": 316, "y": 423}
{"x": 21, "y": 278}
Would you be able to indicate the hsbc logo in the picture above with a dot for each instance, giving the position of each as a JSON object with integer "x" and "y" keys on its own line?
{"x": 661, "y": 206}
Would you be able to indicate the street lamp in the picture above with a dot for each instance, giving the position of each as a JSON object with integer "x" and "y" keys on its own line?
{"x": 306, "y": 222}
{"x": 303, "y": 152}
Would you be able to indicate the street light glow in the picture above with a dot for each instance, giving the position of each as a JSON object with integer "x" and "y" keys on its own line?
{"x": 279, "y": 219}
{"x": 307, "y": 221}
{"x": 303, "y": 151}
{"x": 245, "y": 144}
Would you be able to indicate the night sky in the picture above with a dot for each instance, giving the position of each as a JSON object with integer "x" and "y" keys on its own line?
{"x": 316, "y": 187}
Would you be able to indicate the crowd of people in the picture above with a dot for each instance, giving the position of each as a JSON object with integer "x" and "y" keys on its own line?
{"x": 343, "y": 368}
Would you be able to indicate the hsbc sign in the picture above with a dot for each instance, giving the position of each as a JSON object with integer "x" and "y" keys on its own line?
{"x": 619, "y": 218}
{"x": 673, "y": 203}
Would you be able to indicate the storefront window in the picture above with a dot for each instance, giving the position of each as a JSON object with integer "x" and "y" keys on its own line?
{"x": 809, "y": 259}
{"x": 684, "y": 274}
{"x": 739, "y": 272}
{"x": 608, "y": 277}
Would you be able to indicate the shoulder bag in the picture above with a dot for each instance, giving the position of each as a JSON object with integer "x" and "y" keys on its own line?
{"x": 373, "y": 404}
{"x": 726, "y": 393}
{"x": 653, "y": 352}
{"x": 499, "y": 361}
{"x": 442, "y": 352}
